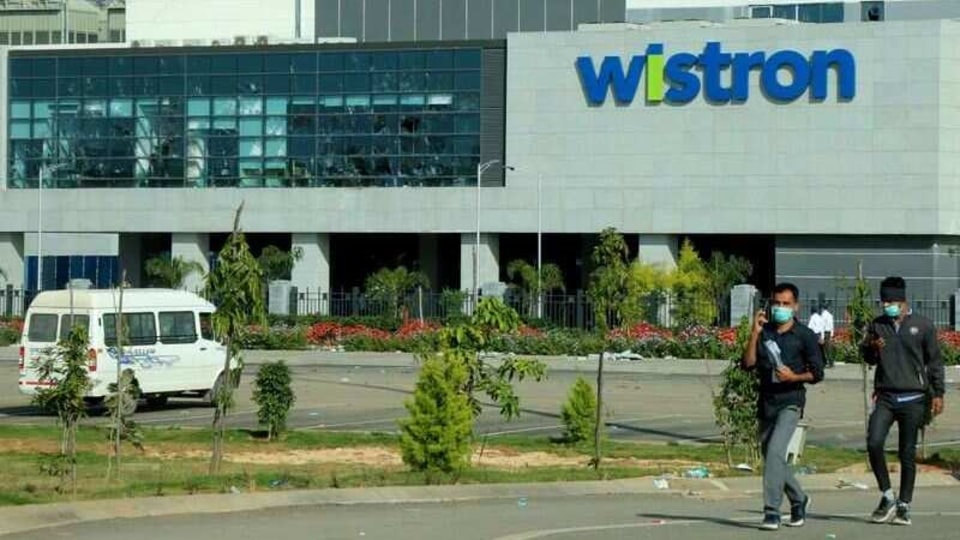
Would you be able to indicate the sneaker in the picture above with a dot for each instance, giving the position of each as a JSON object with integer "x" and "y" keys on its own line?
{"x": 884, "y": 511}
{"x": 771, "y": 522}
{"x": 798, "y": 513}
{"x": 902, "y": 516}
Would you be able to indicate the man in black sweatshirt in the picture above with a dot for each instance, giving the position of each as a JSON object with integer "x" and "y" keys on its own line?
{"x": 909, "y": 379}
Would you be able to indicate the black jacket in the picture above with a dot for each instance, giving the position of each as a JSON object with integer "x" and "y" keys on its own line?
{"x": 800, "y": 351}
{"x": 910, "y": 360}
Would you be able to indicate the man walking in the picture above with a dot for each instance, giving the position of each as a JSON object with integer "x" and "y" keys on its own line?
{"x": 909, "y": 380}
{"x": 826, "y": 319}
{"x": 786, "y": 356}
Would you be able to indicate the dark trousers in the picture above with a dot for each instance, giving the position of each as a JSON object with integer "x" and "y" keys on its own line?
{"x": 908, "y": 416}
{"x": 825, "y": 349}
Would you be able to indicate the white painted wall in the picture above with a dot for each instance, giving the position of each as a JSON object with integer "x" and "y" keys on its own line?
{"x": 212, "y": 19}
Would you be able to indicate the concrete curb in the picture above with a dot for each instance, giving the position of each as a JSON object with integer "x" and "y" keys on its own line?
{"x": 32, "y": 517}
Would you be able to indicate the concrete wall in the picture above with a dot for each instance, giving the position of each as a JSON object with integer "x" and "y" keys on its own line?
{"x": 213, "y": 19}
{"x": 752, "y": 168}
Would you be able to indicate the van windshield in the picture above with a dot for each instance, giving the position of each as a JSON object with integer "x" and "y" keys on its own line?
{"x": 43, "y": 328}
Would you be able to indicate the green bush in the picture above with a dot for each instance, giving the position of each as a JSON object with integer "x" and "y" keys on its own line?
{"x": 274, "y": 397}
{"x": 435, "y": 438}
{"x": 579, "y": 413}
{"x": 274, "y": 339}
{"x": 8, "y": 335}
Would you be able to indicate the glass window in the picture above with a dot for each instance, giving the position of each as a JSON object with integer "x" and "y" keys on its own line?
{"x": 409, "y": 60}
{"x": 384, "y": 61}
{"x": 206, "y": 326}
{"x": 21, "y": 88}
{"x": 412, "y": 81}
{"x": 251, "y": 147}
{"x": 69, "y": 322}
{"x": 223, "y": 84}
{"x": 250, "y": 63}
{"x": 225, "y": 124}
{"x": 20, "y": 109}
{"x": 356, "y": 82}
{"x": 331, "y": 83}
{"x": 96, "y": 67}
{"x": 468, "y": 123}
{"x": 331, "y": 102}
{"x": 43, "y": 327}
{"x": 467, "y": 59}
{"x": 95, "y": 86}
{"x": 146, "y": 65}
{"x": 223, "y": 63}
{"x": 121, "y": 65}
{"x": 440, "y": 59}
{"x": 250, "y": 84}
{"x": 277, "y": 63}
{"x": 361, "y": 101}
{"x": 121, "y": 108}
{"x": 331, "y": 62}
{"x": 277, "y": 84}
{"x": 251, "y": 127}
{"x": 304, "y": 62}
{"x": 412, "y": 100}
{"x": 141, "y": 329}
{"x": 21, "y": 67}
{"x": 358, "y": 61}
{"x": 384, "y": 82}
{"x": 788, "y": 12}
{"x": 69, "y": 86}
{"x": 251, "y": 106}
{"x": 44, "y": 67}
{"x": 42, "y": 109}
{"x": 277, "y": 147}
{"x": 198, "y": 64}
{"x": 304, "y": 84}
{"x": 4, "y": 38}
{"x": 198, "y": 123}
{"x": 19, "y": 129}
{"x": 198, "y": 107}
{"x": 224, "y": 106}
{"x": 170, "y": 65}
{"x": 468, "y": 80}
{"x": 468, "y": 101}
{"x": 277, "y": 105}
{"x": 177, "y": 327}
{"x": 170, "y": 86}
{"x": 276, "y": 126}
{"x": 121, "y": 87}
{"x": 440, "y": 80}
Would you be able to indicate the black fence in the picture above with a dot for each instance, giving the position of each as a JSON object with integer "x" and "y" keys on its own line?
{"x": 562, "y": 310}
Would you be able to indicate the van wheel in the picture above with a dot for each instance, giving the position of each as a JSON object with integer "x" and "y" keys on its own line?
{"x": 157, "y": 401}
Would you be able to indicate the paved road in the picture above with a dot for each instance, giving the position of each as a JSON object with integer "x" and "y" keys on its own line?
{"x": 366, "y": 393}
{"x": 834, "y": 515}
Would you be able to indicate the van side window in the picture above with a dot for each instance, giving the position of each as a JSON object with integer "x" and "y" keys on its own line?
{"x": 82, "y": 321}
{"x": 177, "y": 327}
{"x": 43, "y": 328}
{"x": 206, "y": 326}
{"x": 141, "y": 329}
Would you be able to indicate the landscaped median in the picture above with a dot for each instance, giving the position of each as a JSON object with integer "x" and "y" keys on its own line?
{"x": 175, "y": 462}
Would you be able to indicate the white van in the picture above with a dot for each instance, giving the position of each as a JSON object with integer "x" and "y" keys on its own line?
{"x": 171, "y": 349}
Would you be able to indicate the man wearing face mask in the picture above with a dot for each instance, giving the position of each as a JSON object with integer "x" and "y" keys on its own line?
{"x": 909, "y": 379}
{"x": 786, "y": 356}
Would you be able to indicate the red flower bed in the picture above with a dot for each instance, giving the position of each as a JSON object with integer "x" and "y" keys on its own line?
{"x": 640, "y": 331}
{"x": 415, "y": 327}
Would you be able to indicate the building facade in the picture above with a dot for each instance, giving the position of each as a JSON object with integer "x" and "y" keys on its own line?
{"x": 806, "y": 147}
{"x": 804, "y": 11}
{"x": 43, "y": 22}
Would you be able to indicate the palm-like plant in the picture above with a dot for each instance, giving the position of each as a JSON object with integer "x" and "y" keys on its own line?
{"x": 533, "y": 286}
{"x": 391, "y": 285}
{"x": 170, "y": 272}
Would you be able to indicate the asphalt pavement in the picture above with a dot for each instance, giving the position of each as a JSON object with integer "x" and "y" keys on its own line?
{"x": 586, "y": 517}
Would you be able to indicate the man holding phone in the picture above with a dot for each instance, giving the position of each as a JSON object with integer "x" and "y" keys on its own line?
{"x": 786, "y": 356}
{"x": 909, "y": 381}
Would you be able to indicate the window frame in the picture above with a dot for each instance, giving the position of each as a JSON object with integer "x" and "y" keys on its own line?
{"x": 177, "y": 339}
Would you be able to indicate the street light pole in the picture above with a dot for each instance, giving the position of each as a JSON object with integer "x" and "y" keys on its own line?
{"x": 481, "y": 168}
{"x": 539, "y": 245}
{"x": 40, "y": 230}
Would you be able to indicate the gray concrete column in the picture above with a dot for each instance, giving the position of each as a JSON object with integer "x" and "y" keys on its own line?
{"x": 312, "y": 271}
{"x": 430, "y": 258}
{"x": 192, "y": 247}
{"x": 658, "y": 249}
{"x": 131, "y": 258}
{"x": 11, "y": 259}
{"x": 489, "y": 260}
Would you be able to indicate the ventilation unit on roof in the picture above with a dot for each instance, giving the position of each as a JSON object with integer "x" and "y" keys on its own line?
{"x": 240, "y": 40}
{"x": 263, "y": 40}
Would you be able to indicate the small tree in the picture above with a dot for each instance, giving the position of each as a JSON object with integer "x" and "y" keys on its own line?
{"x": 121, "y": 402}
{"x": 735, "y": 405}
{"x": 65, "y": 380}
{"x": 609, "y": 291}
{"x": 723, "y": 272}
{"x": 277, "y": 264}
{"x": 435, "y": 438}
{"x": 274, "y": 397}
{"x": 451, "y": 300}
{"x": 235, "y": 286}
{"x": 579, "y": 413}
{"x": 392, "y": 285}
{"x": 691, "y": 286}
{"x": 647, "y": 284}
{"x": 532, "y": 285}
{"x": 861, "y": 313}
{"x": 170, "y": 273}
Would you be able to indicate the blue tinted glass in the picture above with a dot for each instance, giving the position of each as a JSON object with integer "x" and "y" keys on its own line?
{"x": 68, "y": 67}
{"x": 198, "y": 85}
{"x": 31, "y": 273}
{"x": 467, "y": 59}
{"x": 20, "y": 109}
{"x": 358, "y": 61}
{"x": 90, "y": 268}
{"x": 121, "y": 87}
{"x": 356, "y": 82}
{"x": 384, "y": 61}
{"x": 198, "y": 107}
{"x": 21, "y": 88}
{"x": 250, "y": 84}
{"x": 223, "y": 84}
{"x": 277, "y": 84}
{"x": 223, "y": 63}
{"x": 331, "y": 83}
{"x": 44, "y": 67}
{"x": 304, "y": 62}
{"x": 21, "y": 67}
{"x": 407, "y": 60}
{"x": 44, "y": 88}
{"x": 76, "y": 267}
{"x": 95, "y": 86}
{"x": 277, "y": 63}
{"x": 96, "y": 67}
{"x": 304, "y": 84}
{"x": 250, "y": 63}
{"x": 146, "y": 65}
{"x": 468, "y": 80}
{"x": 171, "y": 65}
{"x": 440, "y": 59}
{"x": 121, "y": 65}
{"x": 198, "y": 64}
{"x": 331, "y": 62}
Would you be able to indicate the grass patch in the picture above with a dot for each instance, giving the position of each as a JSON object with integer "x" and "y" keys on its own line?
{"x": 176, "y": 463}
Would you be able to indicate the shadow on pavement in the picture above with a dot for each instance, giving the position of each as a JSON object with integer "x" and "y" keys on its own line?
{"x": 707, "y": 519}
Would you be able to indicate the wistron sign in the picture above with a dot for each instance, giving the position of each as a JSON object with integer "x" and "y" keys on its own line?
{"x": 785, "y": 75}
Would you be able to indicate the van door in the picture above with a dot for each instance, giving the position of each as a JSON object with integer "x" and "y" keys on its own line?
{"x": 180, "y": 343}
{"x": 140, "y": 351}
{"x": 211, "y": 350}
{"x": 39, "y": 342}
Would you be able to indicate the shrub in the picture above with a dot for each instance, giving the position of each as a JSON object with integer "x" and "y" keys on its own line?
{"x": 435, "y": 438}
{"x": 274, "y": 397}
{"x": 579, "y": 413}
{"x": 10, "y": 332}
